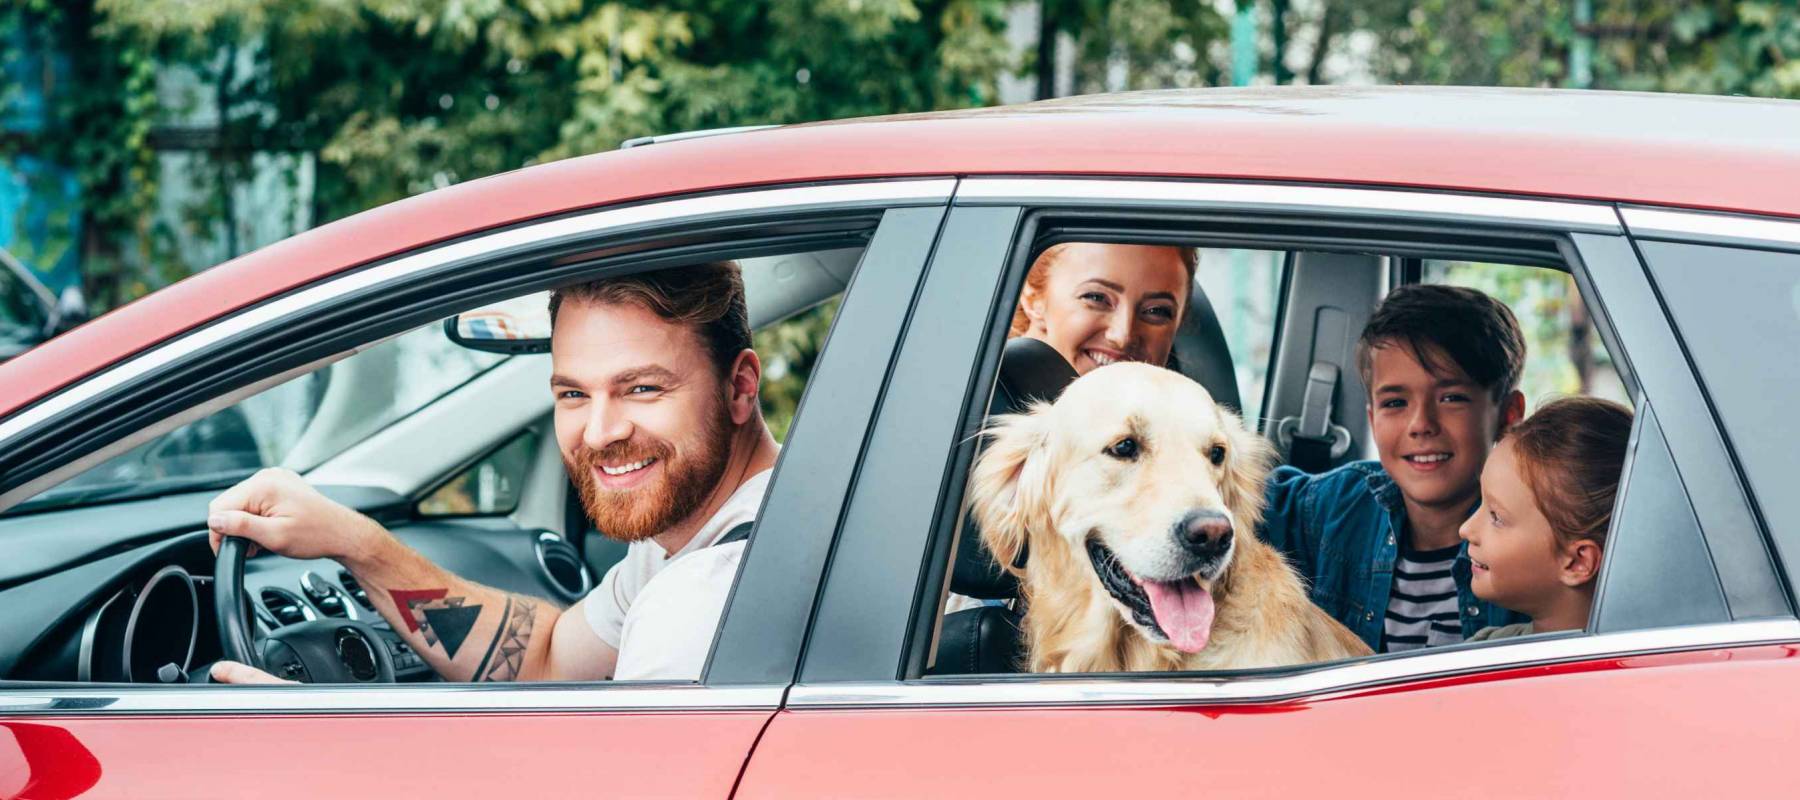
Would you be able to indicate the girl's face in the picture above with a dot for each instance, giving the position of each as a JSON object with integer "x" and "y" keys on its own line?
{"x": 1517, "y": 558}
{"x": 1104, "y": 303}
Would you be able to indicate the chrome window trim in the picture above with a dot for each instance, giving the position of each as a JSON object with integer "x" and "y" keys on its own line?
{"x": 888, "y": 193}
{"x": 1356, "y": 675}
{"x": 1686, "y": 225}
{"x": 27, "y": 700}
{"x": 1556, "y": 214}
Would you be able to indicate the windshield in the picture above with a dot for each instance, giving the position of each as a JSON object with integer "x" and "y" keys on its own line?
{"x": 298, "y": 424}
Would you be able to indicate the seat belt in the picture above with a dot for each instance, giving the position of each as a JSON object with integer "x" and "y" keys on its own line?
{"x": 736, "y": 534}
{"x": 1311, "y": 440}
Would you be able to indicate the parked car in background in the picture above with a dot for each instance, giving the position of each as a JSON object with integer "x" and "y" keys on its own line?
{"x": 29, "y": 312}
{"x": 1653, "y": 240}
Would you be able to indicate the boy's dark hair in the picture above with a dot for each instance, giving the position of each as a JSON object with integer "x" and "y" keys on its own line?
{"x": 709, "y": 297}
{"x": 1476, "y": 332}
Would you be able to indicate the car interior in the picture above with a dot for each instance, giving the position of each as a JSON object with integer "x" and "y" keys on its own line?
{"x": 107, "y": 577}
{"x": 1311, "y": 406}
{"x": 458, "y": 458}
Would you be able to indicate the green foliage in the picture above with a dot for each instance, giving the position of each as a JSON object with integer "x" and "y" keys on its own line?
{"x": 99, "y": 127}
{"x": 397, "y": 97}
{"x": 1711, "y": 46}
{"x": 1142, "y": 44}
{"x": 788, "y": 351}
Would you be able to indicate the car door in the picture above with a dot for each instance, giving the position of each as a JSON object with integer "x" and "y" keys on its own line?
{"x": 1691, "y": 629}
{"x": 451, "y": 740}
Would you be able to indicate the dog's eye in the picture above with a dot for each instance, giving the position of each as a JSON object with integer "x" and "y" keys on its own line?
{"x": 1125, "y": 449}
{"x": 1217, "y": 454}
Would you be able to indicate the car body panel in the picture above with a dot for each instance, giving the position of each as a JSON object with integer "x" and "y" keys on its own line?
{"x": 1650, "y": 726}
{"x": 1585, "y": 145}
{"x": 1571, "y": 722}
{"x": 696, "y": 754}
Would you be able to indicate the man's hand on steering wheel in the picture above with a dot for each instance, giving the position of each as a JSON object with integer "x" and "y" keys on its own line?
{"x": 279, "y": 511}
{"x": 233, "y": 672}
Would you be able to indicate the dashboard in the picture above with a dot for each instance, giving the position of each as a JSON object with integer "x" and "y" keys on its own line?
{"x": 137, "y": 606}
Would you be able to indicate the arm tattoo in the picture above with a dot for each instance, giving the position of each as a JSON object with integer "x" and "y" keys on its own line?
{"x": 509, "y": 643}
{"x": 437, "y": 618}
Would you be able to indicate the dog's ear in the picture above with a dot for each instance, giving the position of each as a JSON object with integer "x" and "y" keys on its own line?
{"x": 1009, "y": 489}
{"x": 1247, "y": 471}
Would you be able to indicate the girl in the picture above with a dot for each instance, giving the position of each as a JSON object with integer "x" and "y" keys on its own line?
{"x": 1546, "y": 501}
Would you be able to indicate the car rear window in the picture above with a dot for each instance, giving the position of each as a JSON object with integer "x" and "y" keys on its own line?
{"x": 1738, "y": 312}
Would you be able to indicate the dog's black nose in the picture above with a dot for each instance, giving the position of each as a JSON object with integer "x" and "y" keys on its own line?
{"x": 1204, "y": 531}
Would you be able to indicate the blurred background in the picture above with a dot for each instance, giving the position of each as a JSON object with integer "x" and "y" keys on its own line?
{"x": 144, "y": 140}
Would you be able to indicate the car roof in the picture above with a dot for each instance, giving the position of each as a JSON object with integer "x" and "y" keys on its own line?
{"x": 1706, "y": 152}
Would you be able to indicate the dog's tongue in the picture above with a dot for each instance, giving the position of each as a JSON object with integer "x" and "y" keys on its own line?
{"x": 1183, "y": 610}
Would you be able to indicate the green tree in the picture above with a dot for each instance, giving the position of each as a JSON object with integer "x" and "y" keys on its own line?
{"x": 1140, "y": 44}
{"x": 401, "y": 96}
{"x": 1709, "y": 46}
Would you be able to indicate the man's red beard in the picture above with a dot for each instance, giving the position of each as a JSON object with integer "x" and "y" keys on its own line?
{"x": 687, "y": 481}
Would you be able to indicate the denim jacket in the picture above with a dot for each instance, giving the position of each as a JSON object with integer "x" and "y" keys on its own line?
{"x": 1341, "y": 529}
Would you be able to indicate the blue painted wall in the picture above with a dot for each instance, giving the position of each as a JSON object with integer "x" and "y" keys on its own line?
{"x": 40, "y": 202}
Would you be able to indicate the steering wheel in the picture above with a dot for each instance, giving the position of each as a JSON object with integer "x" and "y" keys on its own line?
{"x": 328, "y": 650}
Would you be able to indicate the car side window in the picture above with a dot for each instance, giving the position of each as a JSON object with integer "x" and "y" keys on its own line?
{"x": 989, "y": 596}
{"x": 445, "y": 417}
{"x": 1738, "y": 313}
{"x": 490, "y": 486}
{"x": 297, "y": 424}
{"x": 1243, "y": 289}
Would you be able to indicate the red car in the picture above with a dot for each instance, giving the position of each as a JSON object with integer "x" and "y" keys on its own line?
{"x": 1652, "y": 241}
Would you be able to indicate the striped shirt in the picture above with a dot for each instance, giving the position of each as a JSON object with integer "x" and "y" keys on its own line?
{"x": 1422, "y": 611}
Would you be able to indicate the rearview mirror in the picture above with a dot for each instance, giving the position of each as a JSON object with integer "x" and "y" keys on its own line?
{"x": 516, "y": 326}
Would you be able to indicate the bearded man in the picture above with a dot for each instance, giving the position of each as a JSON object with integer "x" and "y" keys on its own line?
{"x": 659, "y": 426}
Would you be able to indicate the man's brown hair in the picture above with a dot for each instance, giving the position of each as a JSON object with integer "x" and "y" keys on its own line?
{"x": 1477, "y": 333}
{"x": 1571, "y": 453}
{"x": 709, "y": 297}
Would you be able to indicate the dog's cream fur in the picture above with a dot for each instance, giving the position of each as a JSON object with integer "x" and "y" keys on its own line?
{"x": 1047, "y": 479}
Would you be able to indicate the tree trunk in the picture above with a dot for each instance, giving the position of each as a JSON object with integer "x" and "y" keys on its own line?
{"x": 1278, "y": 13}
{"x": 1316, "y": 68}
{"x": 1581, "y": 345}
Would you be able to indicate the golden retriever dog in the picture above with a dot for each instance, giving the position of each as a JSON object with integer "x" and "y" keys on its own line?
{"x": 1137, "y": 499}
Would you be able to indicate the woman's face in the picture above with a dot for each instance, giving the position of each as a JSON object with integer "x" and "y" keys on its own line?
{"x": 1104, "y": 303}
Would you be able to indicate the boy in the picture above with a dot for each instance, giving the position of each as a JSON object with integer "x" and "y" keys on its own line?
{"x": 1377, "y": 540}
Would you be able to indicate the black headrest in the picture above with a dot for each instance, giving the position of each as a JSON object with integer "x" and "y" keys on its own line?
{"x": 1201, "y": 353}
{"x": 1029, "y": 370}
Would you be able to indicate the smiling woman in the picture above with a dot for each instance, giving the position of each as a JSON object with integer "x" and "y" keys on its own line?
{"x": 1100, "y": 304}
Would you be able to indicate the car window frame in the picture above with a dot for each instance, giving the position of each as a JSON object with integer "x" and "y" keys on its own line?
{"x": 889, "y": 671}
{"x": 896, "y": 221}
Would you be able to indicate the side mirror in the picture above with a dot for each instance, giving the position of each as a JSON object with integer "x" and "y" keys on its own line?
{"x": 511, "y": 327}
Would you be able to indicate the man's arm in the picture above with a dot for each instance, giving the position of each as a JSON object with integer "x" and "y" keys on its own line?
{"x": 470, "y": 632}
{"x": 465, "y": 631}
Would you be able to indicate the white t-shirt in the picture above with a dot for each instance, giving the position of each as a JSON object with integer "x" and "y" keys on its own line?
{"x": 660, "y": 611}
